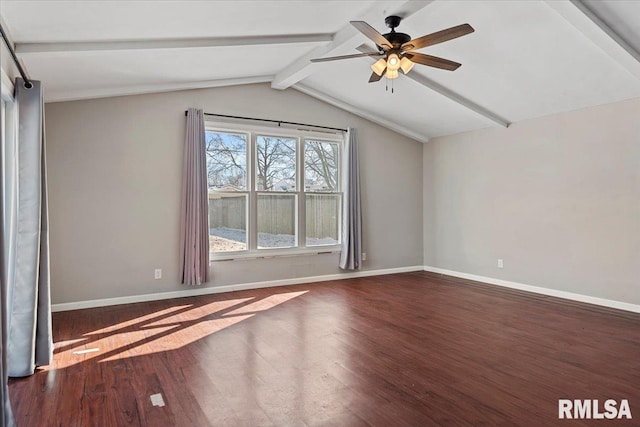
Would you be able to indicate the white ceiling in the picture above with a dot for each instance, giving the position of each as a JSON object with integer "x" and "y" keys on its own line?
{"x": 526, "y": 58}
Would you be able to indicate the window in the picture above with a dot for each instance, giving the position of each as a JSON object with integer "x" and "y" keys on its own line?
{"x": 228, "y": 195}
{"x": 276, "y": 184}
{"x": 272, "y": 190}
{"x": 322, "y": 197}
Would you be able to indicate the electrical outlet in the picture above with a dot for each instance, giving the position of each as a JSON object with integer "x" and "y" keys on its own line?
{"x": 158, "y": 273}
{"x": 500, "y": 263}
{"x": 364, "y": 256}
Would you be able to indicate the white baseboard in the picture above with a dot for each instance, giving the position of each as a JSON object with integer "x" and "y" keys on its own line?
{"x": 195, "y": 291}
{"x": 539, "y": 290}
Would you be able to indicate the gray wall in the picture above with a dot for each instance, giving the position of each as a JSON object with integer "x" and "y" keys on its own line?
{"x": 115, "y": 180}
{"x": 558, "y": 198}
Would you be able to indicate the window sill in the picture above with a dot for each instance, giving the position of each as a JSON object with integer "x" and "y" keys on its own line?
{"x": 274, "y": 253}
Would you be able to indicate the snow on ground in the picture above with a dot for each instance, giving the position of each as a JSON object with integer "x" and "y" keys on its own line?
{"x": 222, "y": 239}
{"x": 218, "y": 244}
{"x": 234, "y": 234}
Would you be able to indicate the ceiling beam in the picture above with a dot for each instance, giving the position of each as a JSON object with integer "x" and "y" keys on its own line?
{"x": 360, "y": 112}
{"x": 53, "y": 47}
{"x": 346, "y": 37}
{"x": 152, "y": 88}
{"x": 448, "y": 93}
{"x": 595, "y": 29}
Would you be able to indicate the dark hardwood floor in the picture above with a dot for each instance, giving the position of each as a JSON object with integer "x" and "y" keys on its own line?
{"x": 414, "y": 349}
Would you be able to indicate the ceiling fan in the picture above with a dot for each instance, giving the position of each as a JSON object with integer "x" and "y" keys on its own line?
{"x": 398, "y": 49}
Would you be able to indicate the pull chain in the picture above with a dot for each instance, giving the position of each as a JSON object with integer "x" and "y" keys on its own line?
{"x": 386, "y": 85}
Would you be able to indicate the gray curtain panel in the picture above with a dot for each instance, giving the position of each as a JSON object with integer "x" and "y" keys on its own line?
{"x": 8, "y": 145}
{"x": 30, "y": 341}
{"x": 351, "y": 255}
{"x": 194, "y": 227}
{"x": 6, "y": 418}
{"x": 5, "y": 410}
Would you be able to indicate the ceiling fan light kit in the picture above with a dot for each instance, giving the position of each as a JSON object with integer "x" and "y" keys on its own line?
{"x": 397, "y": 49}
{"x": 406, "y": 65}
{"x": 393, "y": 61}
{"x": 379, "y": 66}
{"x": 391, "y": 74}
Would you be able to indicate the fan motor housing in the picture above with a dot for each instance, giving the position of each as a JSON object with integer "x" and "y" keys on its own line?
{"x": 397, "y": 39}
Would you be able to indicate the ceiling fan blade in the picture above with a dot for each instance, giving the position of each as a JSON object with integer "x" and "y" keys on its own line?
{"x": 372, "y": 34}
{"x": 438, "y": 37}
{"x": 374, "y": 77}
{"x": 355, "y": 55}
{"x": 432, "y": 61}
{"x": 364, "y": 48}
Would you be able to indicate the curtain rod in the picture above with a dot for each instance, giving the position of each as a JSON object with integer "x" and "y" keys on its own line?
{"x": 279, "y": 122}
{"x": 27, "y": 80}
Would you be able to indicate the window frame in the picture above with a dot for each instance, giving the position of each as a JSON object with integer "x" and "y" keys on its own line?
{"x": 340, "y": 190}
{"x": 300, "y": 136}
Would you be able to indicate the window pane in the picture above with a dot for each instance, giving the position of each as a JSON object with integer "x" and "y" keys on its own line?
{"x": 276, "y": 164}
{"x": 227, "y": 222}
{"x": 321, "y": 166}
{"x": 226, "y": 161}
{"x": 276, "y": 221}
{"x": 323, "y": 217}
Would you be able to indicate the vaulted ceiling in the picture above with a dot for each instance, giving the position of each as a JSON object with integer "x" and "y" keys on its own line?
{"x": 525, "y": 59}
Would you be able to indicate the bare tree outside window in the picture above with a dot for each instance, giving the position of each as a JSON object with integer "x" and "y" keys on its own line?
{"x": 226, "y": 161}
{"x": 321, "y": 166}
{"x": 275, "y": 164}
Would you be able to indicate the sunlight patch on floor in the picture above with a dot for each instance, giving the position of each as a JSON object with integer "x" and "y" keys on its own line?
{"x": 266, "y": 303}
{"x": 163, "y": 330}
{"x": 137, "y": 320}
